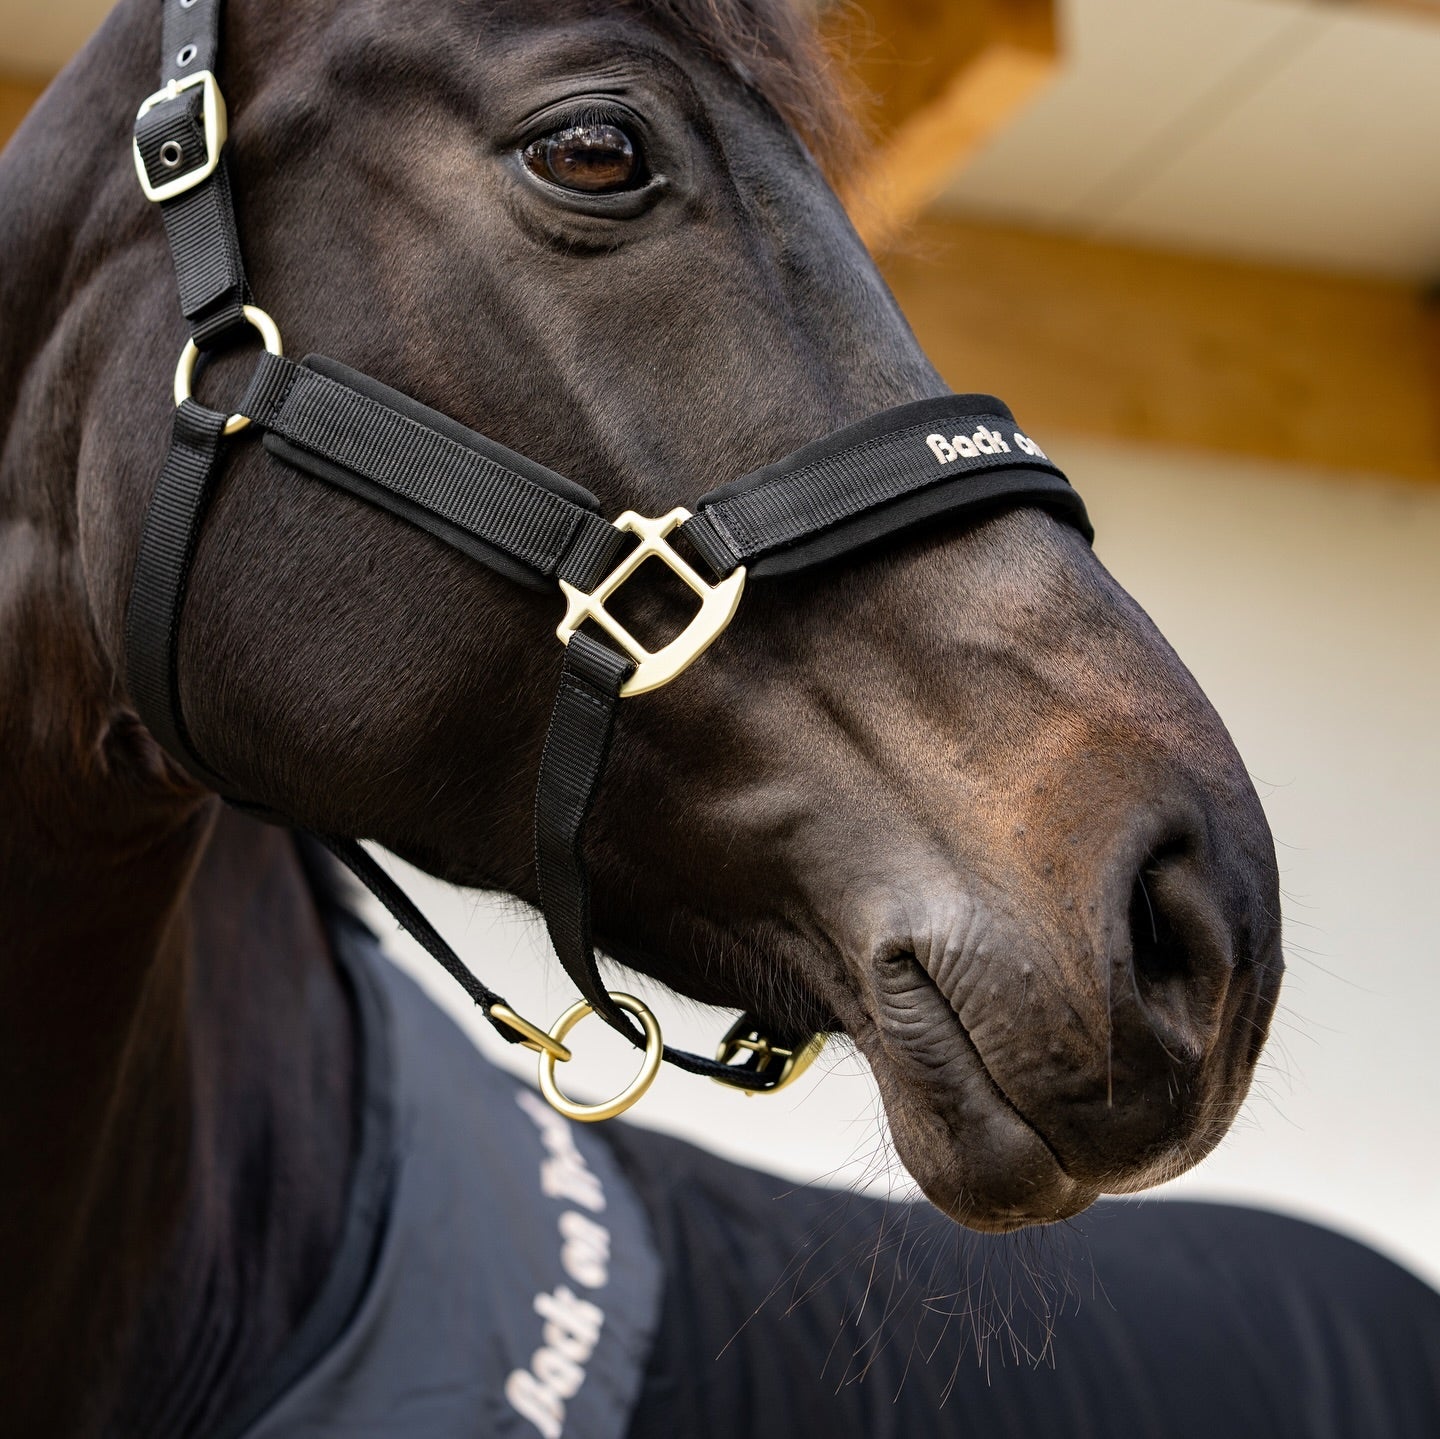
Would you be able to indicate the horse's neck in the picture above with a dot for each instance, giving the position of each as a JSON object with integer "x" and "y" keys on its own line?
{"x": 178, "y": 1124}
{"x": 269, "y": 1118}
{"x": 175, "y": 1040}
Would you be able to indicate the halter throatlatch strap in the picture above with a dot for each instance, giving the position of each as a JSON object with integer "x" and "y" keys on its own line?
{"x": 891, "y": 472}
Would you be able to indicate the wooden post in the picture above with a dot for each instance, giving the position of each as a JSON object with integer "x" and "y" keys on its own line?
{"x": 1129, "y": 344}
{"x": 933, "y": 81}
{"x": 17, "y": 95}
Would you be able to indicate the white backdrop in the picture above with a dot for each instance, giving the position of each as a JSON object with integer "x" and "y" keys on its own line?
{"x": 1309, "y": 607}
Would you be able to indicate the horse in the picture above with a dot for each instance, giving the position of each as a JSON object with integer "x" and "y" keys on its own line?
{"x": 954, "y": 797}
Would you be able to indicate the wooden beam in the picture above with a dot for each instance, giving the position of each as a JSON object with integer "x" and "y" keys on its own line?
{"x": 1426, "y": 9}
{"x": 17, "y": 95}
{"x": 1135, "y": 345}
{"x": 933, "y": 81}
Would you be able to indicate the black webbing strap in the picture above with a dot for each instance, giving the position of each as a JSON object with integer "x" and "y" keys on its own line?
{"x": 576, "y": 746}
{"x": 872, "y": 479}
{"x": 199, "y": 223}
{"x": 162, "y": 571}
{"x": 358, "y": 860}
{"x": 499, "y": 507}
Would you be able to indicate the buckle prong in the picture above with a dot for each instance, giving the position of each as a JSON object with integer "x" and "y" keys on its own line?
{"x": 658, "y": 667}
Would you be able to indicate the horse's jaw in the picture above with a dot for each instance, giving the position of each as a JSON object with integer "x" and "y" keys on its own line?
{"x": 1012, "y": 853}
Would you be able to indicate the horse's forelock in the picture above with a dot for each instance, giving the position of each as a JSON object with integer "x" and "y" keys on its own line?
{"x": 775, "y": 47}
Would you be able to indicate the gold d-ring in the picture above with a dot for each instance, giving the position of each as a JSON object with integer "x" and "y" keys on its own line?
{"x": 590, "y": 1113}
{"x": 185, "y": 370}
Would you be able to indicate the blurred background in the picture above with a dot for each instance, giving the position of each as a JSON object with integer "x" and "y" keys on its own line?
{"x": 1193, "y": 244}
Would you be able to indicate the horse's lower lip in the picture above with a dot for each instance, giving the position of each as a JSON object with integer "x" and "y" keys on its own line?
{"x": 974, "y": 1152}
{"x": 1003, "y": 1096}
{"x": 998, "y": 1089}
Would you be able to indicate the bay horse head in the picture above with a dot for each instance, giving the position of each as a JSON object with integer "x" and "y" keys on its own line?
{"x": 955, "y": 796}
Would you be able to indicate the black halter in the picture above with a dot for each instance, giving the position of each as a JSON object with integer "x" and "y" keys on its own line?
{"x": 856, "y": 486}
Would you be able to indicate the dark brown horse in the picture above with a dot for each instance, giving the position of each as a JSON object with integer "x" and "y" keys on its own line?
{"x": 957, "y": 797}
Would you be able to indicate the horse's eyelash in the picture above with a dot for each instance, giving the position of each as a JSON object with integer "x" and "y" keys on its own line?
{"x": 596, "y": 114}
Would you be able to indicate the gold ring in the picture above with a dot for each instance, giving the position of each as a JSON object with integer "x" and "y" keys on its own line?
{"x": 185, "y": 370}
{"x": 590, "y": 1113}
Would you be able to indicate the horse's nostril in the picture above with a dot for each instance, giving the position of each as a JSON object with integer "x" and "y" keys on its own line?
{"x": 1158, "y": 949}
{"x": 1178, "y": 951}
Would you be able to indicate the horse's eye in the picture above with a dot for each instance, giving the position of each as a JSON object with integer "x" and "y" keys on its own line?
{"x": 592, "y": 158}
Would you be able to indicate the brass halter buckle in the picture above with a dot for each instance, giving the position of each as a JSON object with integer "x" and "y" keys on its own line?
{"x": 744, "y": 1037}
{"x": 717, "y": 605}
{"x": 213, "y": 117}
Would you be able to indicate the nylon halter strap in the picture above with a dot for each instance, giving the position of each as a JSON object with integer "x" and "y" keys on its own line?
{"x": 850, "y": 489}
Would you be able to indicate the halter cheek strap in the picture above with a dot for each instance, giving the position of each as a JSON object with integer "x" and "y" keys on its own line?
{"x": 863, "y": 484}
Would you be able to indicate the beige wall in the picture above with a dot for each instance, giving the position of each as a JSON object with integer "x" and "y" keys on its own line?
{"x": 1308, "y": 605}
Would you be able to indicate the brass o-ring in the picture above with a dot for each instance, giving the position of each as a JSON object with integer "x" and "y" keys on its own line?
{"x": 190, "y": 355}
{"x": 649, "y": 1068}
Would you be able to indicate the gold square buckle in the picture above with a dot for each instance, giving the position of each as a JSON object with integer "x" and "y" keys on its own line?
{"x": 717, "y": 605}
{"x": 216, "y": 130}
{"x": 745, "y": 1038}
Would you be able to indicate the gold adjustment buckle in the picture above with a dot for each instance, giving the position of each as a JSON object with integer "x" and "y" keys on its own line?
{"x": 216, "y": 130}
{"x": 717, "y": 605}
{"x": 649, "y": 1067}
{"x": 746, "y": 1038}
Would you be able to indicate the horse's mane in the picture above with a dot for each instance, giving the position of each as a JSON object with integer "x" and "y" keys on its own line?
{"x": 775, "y": 46}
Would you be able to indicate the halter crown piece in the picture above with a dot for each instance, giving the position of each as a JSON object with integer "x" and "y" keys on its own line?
{"x": 866, "y": 482}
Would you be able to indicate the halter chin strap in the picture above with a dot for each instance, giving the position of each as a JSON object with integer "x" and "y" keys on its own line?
{"x": 850, "y": 489}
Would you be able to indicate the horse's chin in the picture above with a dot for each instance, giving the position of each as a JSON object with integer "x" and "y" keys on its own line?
{"x": 975, "y": 1157}
{"x": 973, "y": 1154}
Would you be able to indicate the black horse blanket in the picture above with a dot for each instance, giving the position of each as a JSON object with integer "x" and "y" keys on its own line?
{"x": 504, "y": 1273}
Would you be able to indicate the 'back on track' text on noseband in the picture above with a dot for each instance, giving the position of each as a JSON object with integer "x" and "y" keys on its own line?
{"x": 861, "y": 484}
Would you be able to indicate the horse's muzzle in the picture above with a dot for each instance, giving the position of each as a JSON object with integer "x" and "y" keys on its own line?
{"x": 1096, "y": 1044}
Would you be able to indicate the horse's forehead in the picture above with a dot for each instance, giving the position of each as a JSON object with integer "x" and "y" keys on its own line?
{"x": 553, "y": 35}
